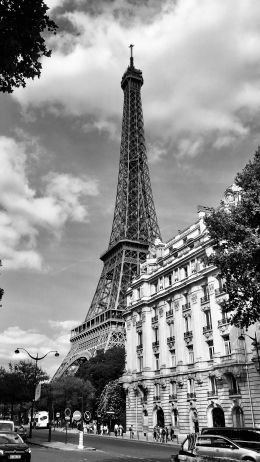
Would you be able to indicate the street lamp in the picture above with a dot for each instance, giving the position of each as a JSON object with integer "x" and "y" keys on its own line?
{"x": 36, "y": 359}
{"x": 255, "y": 343}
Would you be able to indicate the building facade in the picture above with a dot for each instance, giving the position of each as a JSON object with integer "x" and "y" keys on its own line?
{"x": 186, "y": 366}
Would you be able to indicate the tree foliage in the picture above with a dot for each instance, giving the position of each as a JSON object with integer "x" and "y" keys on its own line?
{"x": 103, "y": 367}
{"x": 235, "y": 231}
{"x": 17, "y": 384}
{"x": 22, "y": 23}
{"x": 68, "y": 391}
{"x": 112, "y": 399}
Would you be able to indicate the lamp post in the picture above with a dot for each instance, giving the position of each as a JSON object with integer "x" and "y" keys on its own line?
{"x": 255, "y": 343}
{"x": 36, "y": 358}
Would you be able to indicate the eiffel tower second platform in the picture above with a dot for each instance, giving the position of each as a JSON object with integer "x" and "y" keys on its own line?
{"x": 134, "y": 229}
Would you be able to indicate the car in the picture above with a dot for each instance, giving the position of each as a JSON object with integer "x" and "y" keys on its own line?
{"x": 234, "y": 433}
{"x": 6, "y": 426}
{"x": 220, "y": 448}
{"x": 12, "y": 447}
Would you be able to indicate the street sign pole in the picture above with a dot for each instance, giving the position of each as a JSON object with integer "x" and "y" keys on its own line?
{"x": 77, "y": 416}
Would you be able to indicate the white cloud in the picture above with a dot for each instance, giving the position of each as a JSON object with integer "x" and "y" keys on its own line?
{"x": 201, "y": 63}
{"x": 25, "y": 212}
{"x": 37, "y": 343}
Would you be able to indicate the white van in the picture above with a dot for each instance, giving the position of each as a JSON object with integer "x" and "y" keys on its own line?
{"x": 41, "y": 419}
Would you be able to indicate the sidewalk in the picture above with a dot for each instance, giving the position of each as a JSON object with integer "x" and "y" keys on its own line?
{"x": 86, "y": 440}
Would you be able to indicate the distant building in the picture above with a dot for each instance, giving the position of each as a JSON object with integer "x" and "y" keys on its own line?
{"x": 186, "y": 365}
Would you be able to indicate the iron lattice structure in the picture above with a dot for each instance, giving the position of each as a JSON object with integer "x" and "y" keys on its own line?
{"x": 134, "y": 228}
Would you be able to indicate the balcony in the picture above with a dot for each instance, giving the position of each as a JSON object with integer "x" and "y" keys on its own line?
{"x": 224, "y": 326}
{"x": 138, "y": 324}
{"x": 169, "y": 313}
{"x": 139, "y": 348}
{"x": 155, "y": 346}
{"x": 188, "y": 336}
{"x": 156, "y": 398}
{"x": 191, "y": 395}
{"x": 220, "y": 291}
{"x": 207, "y": 328}
{"x": 234, "y": 392}
{"x": 212, "y": 393}
{"x": 204, "y": 299}
{"x": 172, "y": 397}
{"x": 171, "y": 342}
{"x": 154, "y": 319}
{"x": 185, "y": 307}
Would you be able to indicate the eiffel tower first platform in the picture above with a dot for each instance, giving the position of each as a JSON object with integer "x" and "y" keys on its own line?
{"x": 134, "y": 228}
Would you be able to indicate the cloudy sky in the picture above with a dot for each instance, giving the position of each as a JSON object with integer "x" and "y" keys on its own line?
{"x": 60, "y": 138}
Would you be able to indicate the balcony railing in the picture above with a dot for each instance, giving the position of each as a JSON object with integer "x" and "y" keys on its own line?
{"x": 172, "y": 397}
{"x": 220, "y": 291}
{"x": 139, "y": 347}
{"x": 155, "y": 344}
{"x": 139, "y": 323}
{"x": 191, "y": 395}
{"x": 154, "y": 319}
{"x": 188, "y": 334}
{"x": 170, "y": 340}
{"x": 234, "y": 391}
{"x": 156, "y": 398}
{"x": 204, "y": 299}
{"x": 223, "y": 321}
{"x": 207, "y": 328}
{"x": 169, "y": 313}
{"x": 212, "y": 393}
{"x": 185, "y": 307}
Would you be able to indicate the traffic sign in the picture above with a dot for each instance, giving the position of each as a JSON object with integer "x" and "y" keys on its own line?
{"x": 67, "y": 412}
{"x": 67, "y": 417}
{"x": 57, "y": 414}
{"x": 87, "y": 415}
{"x": 76, "y": 415}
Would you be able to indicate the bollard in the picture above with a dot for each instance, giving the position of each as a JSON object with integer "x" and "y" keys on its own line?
{"x": 80, "y": 446}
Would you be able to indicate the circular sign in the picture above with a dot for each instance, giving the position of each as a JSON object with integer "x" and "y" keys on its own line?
{"x": 76, "y": 415}
{"x": 67, "y": 412}
{"x": 87, "y": 415}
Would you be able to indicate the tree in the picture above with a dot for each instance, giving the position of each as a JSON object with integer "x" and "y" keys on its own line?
{"x": 68, "y": 391}
{"x": 17, "y": 384}
{"x": 22, "y": 23}
{"x": 235, "y": 231}
{"x": 112, "y": 399}
{"x": 103, "y": 367}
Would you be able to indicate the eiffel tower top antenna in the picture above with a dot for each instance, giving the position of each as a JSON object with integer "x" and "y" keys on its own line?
{"x": 131, "y": 55}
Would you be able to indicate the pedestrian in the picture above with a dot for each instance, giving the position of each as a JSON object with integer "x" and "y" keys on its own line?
{"x": 154, "y": 433}
{"x": 171, "y": 433}
{"x": 121, "y": 430}
{"x": 163, "y": 435}
{"x": 116, "y": 429}
{"x": 101, "y": 429}
{"x": 131, "y": 431}
{"x": 166, "y": 434}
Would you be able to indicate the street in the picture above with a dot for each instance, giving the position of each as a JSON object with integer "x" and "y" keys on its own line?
{"x": 107, "y": 449}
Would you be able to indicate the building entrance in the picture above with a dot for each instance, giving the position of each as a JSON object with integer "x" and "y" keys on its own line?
{"x": 160, "y": 417}
{"x": 218, "y": 417}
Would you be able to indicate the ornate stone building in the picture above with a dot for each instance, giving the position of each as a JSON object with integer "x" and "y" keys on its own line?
{"x": 186, "y": 365}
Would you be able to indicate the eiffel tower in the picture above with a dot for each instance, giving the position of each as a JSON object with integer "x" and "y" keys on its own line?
{"x": 134, "y": 228}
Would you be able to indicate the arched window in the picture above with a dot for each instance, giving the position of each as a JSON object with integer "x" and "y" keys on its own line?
{"x": 238, "y": 417}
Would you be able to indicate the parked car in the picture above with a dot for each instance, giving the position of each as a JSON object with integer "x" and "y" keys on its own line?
{"x": 6, "y": 426}
{"x": 13, "y": 447}
{"x": 219, "y": 447}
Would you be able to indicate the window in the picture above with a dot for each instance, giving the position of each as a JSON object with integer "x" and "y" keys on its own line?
{"x": 157, "y": 361}
{"x": 140, "y": 338}
{"x": 190, "y": 354}
{"x": 173, "y": 359}
{"x": 213, "y": 385}
{"x": 176, "y": 275}
{"x": 224, "y": 318}
{"x": 140, "y": 363}
{"x": 160, "y": 283}
{"x": 211, "y": 349}
{"x": 193, "y": 266}
{"x": 173, "y": 388}
{"x": 191, "y": 386}
{"x": 157, "y": 389}
{"x": 168, "y": 280}
{"x": 138, "y": 293}
{"x": 156, "y": 334}
{"x": 187, "y": 323}
{"x": 171, "y": 329}
{"x": 208, "y": 319}
{"x": 185, "y": 271}
{"x": 205, "y": 289}
{"x": 227, "y": 345}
